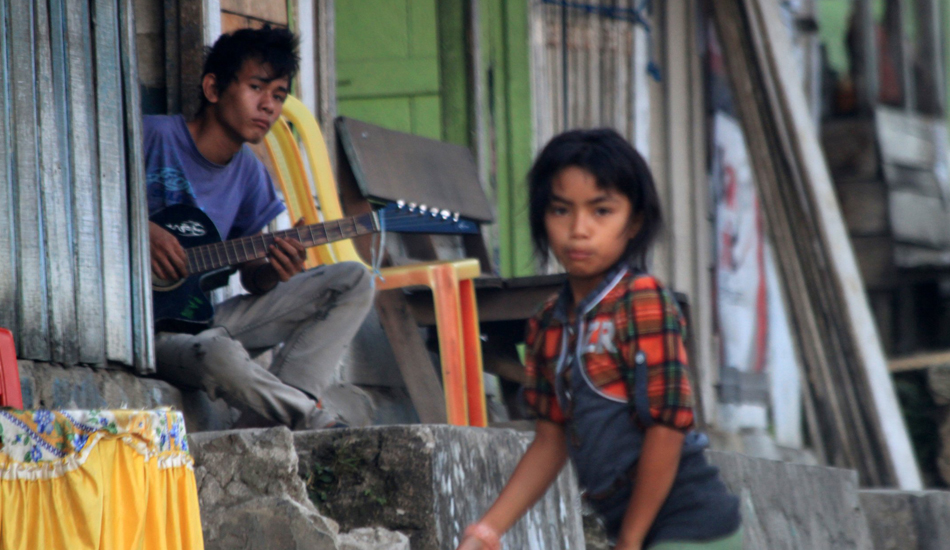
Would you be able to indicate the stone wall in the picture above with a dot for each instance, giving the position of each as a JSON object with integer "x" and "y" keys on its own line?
{"x": 908, "y": 520}
{"x": 430, "y": 482}
{"x": 794, "y": 506}
{"x": 257, "y": 489}
{"x": 251, "y": 497}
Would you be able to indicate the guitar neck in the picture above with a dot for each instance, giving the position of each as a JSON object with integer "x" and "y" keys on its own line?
{"x": 238, "y": 251}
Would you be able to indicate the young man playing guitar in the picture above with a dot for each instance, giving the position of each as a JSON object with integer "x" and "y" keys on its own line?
{"x": 206, "y": 163}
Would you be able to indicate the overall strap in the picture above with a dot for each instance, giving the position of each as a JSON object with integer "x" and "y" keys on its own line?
{"x": 634, "y": 376}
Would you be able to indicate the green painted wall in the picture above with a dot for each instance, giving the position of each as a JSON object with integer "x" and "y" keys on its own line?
{"x": 387, "y": 59}
{"x": 505, "y": 54}
{"x": 403, "y": 64}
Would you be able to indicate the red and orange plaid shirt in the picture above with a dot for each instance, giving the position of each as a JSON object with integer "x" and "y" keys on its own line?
{"x": 645, "y": 317}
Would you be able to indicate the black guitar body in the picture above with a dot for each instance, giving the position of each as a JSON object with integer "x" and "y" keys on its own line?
{"x": 184, "y": 306}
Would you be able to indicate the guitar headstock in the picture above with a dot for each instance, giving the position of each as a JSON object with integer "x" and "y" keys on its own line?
{"x": 409, "y": 217}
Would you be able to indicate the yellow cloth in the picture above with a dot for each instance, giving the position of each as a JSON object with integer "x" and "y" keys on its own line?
{"x": 102, "y": 480}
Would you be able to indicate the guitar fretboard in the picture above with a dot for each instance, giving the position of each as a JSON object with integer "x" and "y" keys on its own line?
{"x": 238, "y": 251}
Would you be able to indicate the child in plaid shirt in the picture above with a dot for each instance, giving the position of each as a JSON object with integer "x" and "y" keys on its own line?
{"x": 606, "y": 364}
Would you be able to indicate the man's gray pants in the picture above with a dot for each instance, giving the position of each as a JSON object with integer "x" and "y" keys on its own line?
{"x": 314, "y": 315}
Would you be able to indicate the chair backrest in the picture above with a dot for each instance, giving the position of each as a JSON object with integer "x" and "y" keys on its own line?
{"x": 285, "y": 154}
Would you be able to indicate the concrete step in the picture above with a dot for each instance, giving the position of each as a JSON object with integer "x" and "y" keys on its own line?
{"x": 428, "y": 482}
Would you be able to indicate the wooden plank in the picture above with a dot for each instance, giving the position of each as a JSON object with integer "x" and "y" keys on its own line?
{"x": 113, "y": 185}
{"x": 796, "y": 198}
{"x": 679, "y": 151}
{"x": 326, "y": 73}
{"x": 920, "y": 220}
{"x": 54, "y": 193}
{"x": 267, "y": 11}
{"x": 32, "y": 339}
{"x": 864, "y": 207}
{"x": 905, "y": 138}
{"x": 872, "y": 368}
{"x": 704, "y": 357}
{"x": 916, "y": 257}
{"x": 143, "y": 346}
{"x": 850, "y": 147}
{"x": 84, "y": 175}
{"x": 748, "y": 93}
{"x": 919, "y": 361}
{"x": 493, "y": 304}
{"x": 412, "y": 357}
{"x": 8, "y": 218}
{"x": 920, "y": 181}
{"x": 173, "y": 89}
{"x": 875, "y": 258}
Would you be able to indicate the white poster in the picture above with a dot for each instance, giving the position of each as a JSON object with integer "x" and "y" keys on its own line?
{"x": 740, "y": 260}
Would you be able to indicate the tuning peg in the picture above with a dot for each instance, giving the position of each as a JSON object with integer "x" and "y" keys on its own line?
{"x": 400, "y": 204}
{"x": 455, "y": 217}
{"x": 445, "y": 214}
{"x": 412, "y": 206}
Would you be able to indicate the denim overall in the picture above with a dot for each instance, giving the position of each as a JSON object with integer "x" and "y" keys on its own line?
{"x": 604, "y": 444}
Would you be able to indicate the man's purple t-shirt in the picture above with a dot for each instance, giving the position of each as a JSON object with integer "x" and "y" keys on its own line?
{"x": 239, "y": 196}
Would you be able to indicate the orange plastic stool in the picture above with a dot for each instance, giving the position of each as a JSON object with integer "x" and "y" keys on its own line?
{"x": 10, "y": 393}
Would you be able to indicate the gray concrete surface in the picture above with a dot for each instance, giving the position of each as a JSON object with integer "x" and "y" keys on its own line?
{"x": 908, "y": 520}
{"x": 431, "y": 481}
{"x": 44, "y": 385}
{"x": 251, "y": 497}
{"x": 795, "y": 506}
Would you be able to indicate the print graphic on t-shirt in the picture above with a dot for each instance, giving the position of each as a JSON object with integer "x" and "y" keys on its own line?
{"x": 600, "y": 337}
{"x": 168, "y": 186}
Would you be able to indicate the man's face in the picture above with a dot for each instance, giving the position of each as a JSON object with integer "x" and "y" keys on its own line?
{"x": 251, "y": 103}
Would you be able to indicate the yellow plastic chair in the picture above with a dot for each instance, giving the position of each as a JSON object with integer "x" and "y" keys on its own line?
{"x": 453, "y": 292}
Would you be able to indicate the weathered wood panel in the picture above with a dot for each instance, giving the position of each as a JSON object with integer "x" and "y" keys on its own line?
{"x": 32, "y": 309}
{"x": 116, "y": 274}
{"x": 918, "y": 219}
{"x": 84, "y": 176}
{"x": 59, "y": 133}
{"x": 906, "y": 139}
{"x": 141, "y": 312}
{"x": 8, "y": 253}
{"x": 54, "y": 192}
{"x": 864, "y": 207}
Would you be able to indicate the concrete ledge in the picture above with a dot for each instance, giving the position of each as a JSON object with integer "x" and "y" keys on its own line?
{"x": 794, "y": 506}
{"x": 430, "y": 482}
{"x": 54, "y": 387}
{"x": 908, "y": 520}
{"x": 252, "y": 498}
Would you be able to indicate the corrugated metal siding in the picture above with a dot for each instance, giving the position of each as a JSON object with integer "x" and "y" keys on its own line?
{"x": 74, "y": 236}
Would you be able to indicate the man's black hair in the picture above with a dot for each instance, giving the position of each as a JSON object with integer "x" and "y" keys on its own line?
{"x": 615, "y": 165}
{"x": 272, "y": 46}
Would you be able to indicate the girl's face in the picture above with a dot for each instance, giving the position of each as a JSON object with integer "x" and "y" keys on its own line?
{"x": 588, "y": 227}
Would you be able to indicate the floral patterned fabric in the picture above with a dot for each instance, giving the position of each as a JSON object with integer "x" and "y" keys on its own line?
{"x": 49, "y": 438}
